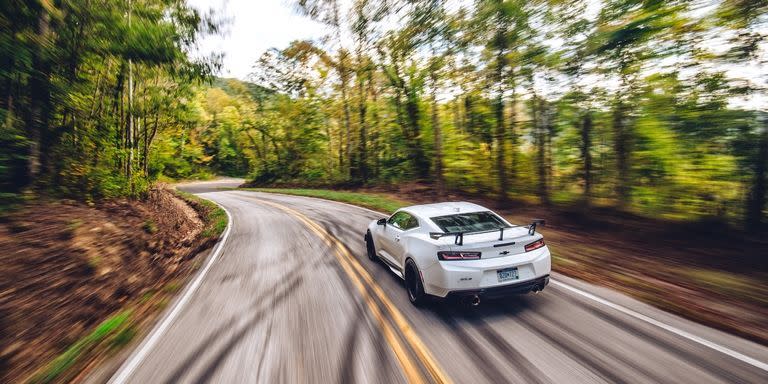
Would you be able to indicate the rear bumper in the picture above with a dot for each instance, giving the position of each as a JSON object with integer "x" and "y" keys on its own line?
{"x": 501, "y": 291}
{"x": 473, "y": 276}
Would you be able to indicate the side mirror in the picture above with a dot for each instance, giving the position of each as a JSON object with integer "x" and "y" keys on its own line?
{"x": 382, "y": 222}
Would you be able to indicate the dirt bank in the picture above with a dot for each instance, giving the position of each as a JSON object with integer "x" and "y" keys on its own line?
{"x": 67, "y": 267}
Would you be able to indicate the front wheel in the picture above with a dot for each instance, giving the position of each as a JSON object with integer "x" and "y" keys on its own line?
{"x": 413, "y": 284}
{"x": 369, "y": 247}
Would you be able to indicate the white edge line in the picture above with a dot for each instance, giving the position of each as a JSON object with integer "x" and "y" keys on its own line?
{"x": 717, "y": 347}
{"x": 677, "y": 331}
{"x": 138, "y": 355}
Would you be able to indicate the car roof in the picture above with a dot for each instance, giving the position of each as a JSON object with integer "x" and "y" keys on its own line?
{"x": 443, "y": 209}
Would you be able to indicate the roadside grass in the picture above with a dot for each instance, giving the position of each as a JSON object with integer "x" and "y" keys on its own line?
{"x": 727, "y": 283}
{"x": 116, "y": 325}
{"x": 215, "y": 218}
{"x": 373, "y": 201}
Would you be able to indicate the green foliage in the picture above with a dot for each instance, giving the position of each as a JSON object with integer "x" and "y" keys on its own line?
{"x": 87, "y": 88}
{"x": 70, "y": 356}
{"x": 629, "y": 109}
{"x": 625, "y": 105}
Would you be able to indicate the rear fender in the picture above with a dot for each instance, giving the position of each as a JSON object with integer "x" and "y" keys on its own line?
{"x": 405, "y": 262}
{"x": 422, "y": 251}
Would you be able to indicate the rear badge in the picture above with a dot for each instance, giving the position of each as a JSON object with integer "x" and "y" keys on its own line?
{"x": 465, "y": 279}
{"x": 504, "y": 253}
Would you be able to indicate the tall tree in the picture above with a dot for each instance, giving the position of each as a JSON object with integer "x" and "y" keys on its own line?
{"x": 434, "y": 32}
{"x": 629, "y": 34}
{"x": 748, "y": 19}
{"x": 404, "y": 76}
{"x": 329, "y": 13}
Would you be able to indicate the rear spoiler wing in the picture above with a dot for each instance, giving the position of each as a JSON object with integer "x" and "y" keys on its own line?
{"x": 459, "y": 240}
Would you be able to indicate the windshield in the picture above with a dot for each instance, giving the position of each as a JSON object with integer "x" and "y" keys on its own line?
{"x": 469, "y": 222}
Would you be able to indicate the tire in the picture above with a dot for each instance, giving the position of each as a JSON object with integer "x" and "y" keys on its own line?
{"x": 413, "y": 284}
{"x": 370, "y": 248}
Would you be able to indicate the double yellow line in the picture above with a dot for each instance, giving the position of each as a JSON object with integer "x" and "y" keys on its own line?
{"x": 396, "y": 330}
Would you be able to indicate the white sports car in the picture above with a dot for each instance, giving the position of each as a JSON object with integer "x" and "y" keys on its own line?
{"x": 459, "y": 250}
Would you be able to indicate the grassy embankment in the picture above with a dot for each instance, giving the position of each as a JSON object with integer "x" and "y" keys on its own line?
{"x": 213, "y": 216}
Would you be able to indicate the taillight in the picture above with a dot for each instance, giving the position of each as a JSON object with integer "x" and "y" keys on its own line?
{"x": 454, "y": 255}
{"x": 535, "y": 245}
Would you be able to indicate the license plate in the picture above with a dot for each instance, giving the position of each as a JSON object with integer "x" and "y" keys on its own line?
{"x": 507, "y": 274}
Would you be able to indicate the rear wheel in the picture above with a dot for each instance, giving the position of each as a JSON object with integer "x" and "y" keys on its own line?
{"x": 370, "y": 248}
{"x": 413, "y": 284}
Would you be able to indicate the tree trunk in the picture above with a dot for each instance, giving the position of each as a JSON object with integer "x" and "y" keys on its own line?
{"x": 512, "y": 173}
{"x": 119, "y": 110}
{"x": 38, "y": 116}
{"x": 181, "y": 141}
{"x": 621, "y": 147}
{"x": 376, "y": 134}
{"x": 329, "y": 162}
{"x": 586, "y": 155}
{"x": 129, "y": 164}
{"x": 500, "y": 131}
{"x": 341, "y": 150}
{"x": 550, "y": 132}
{"x": 345, "y": 107}
{"x": 256, "y": 146}
{"x": 438, "y": 139}
{"x": 148, "y": 143}
{"x": 757, "y": 193}
{"x": 408, "y": 118}
{"x": 414, "y": 135}
{"x": 458, "y": 120}
{"x": 362, "y": 163}
{"x": 469, "y": 115}
{"x": 8, "y": 99}
{"x": 541, "y": 155}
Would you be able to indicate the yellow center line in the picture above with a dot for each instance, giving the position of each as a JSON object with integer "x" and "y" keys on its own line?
{"x": 350, "y": 265}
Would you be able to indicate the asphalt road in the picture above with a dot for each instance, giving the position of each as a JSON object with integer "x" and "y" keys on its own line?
{"x": 290, "y": 297}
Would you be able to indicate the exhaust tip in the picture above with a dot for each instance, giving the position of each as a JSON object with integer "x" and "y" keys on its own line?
{"x": 475, "y": 301}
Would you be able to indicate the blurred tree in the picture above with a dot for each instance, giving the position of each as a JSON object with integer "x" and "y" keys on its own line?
{"x": 66, "y": 65}
{"x": 405, "y": 78}
{"x": 749, "y": 19}
{"x": 329, "y": 13}
{"x": 622, "y": 103}
{"x": 629, "y": 33}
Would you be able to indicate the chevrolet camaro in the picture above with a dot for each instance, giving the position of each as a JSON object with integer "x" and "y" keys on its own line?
{"x": 459, "y": 250}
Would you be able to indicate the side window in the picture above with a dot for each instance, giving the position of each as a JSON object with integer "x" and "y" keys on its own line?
{"x": 397, "y": 219}
{"x": 411, "y": 222}
{"x": 403, "y": 220}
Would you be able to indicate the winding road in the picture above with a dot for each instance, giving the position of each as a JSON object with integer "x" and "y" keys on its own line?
{"x": 289, "y": 296}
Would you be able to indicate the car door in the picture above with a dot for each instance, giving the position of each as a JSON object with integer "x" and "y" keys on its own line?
{"x": 404, "y": 223}
{"x": 390, "y": 239}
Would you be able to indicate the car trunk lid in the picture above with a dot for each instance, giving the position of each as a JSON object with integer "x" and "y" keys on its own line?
{"x": 491, "y": 246}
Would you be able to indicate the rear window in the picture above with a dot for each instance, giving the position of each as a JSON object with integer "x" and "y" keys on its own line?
{"x": 469, "y": 222}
